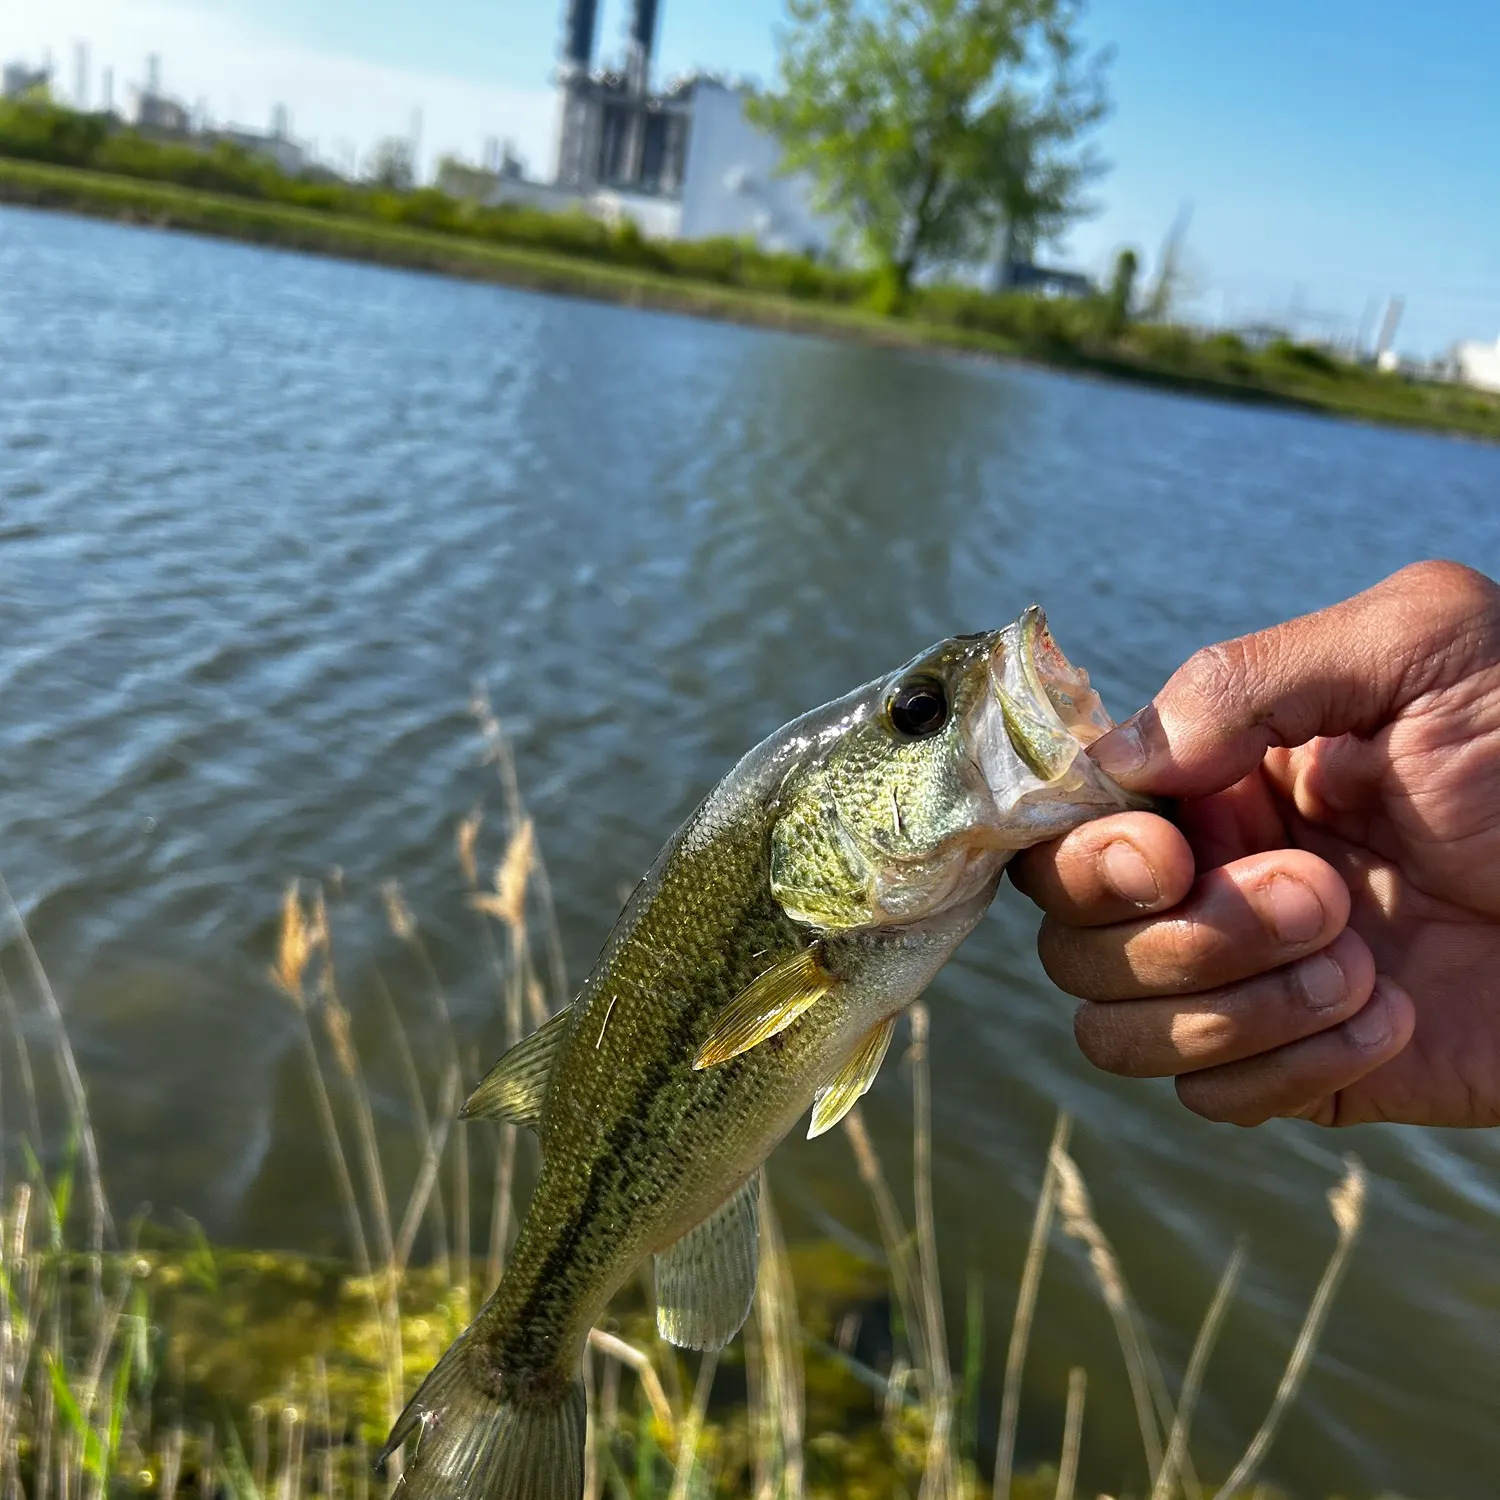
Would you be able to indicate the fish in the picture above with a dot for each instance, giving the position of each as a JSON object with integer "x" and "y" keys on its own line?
{"x": 756, "y": 973}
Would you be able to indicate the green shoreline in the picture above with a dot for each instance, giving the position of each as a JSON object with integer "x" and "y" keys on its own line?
{"x": 1348, "y": 393}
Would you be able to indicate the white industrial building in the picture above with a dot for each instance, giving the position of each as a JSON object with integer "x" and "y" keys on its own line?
{"x": 1477, "y": 364}
{"x": 732, "y": 183}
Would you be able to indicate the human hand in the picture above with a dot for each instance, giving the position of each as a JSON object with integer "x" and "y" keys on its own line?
{"x": 1322, "y": 936}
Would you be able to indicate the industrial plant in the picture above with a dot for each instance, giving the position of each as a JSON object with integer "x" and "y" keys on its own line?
{"x": 614, "y": 131}
{"x": 680, "y": 161}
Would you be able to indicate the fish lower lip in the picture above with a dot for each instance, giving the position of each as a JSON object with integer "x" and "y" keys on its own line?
{"x": 1032, "y": 725}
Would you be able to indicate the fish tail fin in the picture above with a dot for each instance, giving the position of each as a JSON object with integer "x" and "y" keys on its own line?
{"x": 481, "y": 1446}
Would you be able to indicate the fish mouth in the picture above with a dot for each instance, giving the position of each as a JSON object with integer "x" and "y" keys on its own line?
{"x": 1049, "y": 708}
{"x": 1030, "y": 737}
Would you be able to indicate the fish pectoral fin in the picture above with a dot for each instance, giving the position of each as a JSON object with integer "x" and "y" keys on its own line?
{"x": 705, "y": 1283}
{"x": 516, "y": 1086}
{"x": 766, "y": 1006}
{"x": 852, "y": 1082}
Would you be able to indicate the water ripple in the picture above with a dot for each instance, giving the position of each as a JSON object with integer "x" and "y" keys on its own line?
{"x": 264, "y": 520}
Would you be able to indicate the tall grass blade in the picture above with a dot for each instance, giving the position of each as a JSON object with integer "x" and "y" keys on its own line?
{"x": 1026, "y": 1297}
{"x": 1346, "y": 1202}
{"x": 1192, "y": 1380}
{"x": 100, "y": 1223}
{"x": 1078, "y": 1221}
{"x": 1067, "y": 1468}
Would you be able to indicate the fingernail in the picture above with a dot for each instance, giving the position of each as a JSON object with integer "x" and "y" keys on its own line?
{"x": 1322, "y": 983}
{"x": 1371, "y": 1028}
{"x": 1127, "y": 874}
{"x": 1123, "y": 749}
{"x": 1296, "y": 913}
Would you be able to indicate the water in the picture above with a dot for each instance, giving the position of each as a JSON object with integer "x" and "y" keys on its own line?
{"x": 264, "y": 522}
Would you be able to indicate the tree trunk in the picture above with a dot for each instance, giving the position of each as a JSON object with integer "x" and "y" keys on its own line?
{"x": 1009, "y": 245}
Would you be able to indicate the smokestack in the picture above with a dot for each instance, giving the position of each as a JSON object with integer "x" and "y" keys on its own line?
{"x": 643, "y": 25}
{"x": 81, "y": 75}
{"x": 638, "y": 49}
{"x": 1387, "y": 336}
{"x": 578, "y": 34}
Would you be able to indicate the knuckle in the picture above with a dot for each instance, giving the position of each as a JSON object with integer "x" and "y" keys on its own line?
{"x": 1453, "y": 612}
{"x": 1182, "y": 950}
{"x": 1100, "y": 1040}
{"x": 1206, "y": 1096}
{"x": 1199, "y": 1094}
{"x": 1065, "y": 955}
{"x": 1462, "y": 588}
{"x": 1053, "y": 946}
{"x": 1212, "y": 671}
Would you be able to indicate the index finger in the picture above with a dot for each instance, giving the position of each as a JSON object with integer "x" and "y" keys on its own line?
{"x": 1344, "y": 670}
{"x": 1126, "y": 865}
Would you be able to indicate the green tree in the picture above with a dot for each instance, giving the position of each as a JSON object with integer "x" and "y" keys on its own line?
{"x": 392, "y": 165}
{"x": 1040, "y": 162}
{"x": 928, "y": 125}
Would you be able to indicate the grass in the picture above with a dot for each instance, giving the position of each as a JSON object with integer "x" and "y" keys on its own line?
{"x": 139, "y": 1359}
{"x": 424, "y": 231}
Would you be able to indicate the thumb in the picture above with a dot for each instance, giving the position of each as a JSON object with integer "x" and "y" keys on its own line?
{"x": 1349, "y": 669}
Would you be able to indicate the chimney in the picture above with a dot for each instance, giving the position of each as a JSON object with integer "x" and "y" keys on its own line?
{"x": 642, "y": 35}
{"x": 579, "y": 22}
{"x": 643, "y": 25}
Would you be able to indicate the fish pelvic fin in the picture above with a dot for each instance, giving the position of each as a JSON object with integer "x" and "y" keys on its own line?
{"x": 705, "y": 1283}
{"x": 766, "y": 1006}
{"x": 852, "y": 1081}
{"x": 474, "y": 1445}
{"x": 516, "y": 1087}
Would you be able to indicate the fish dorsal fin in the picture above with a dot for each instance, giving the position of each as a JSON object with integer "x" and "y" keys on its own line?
{"x": 852, "y": 1082}
{"x": 766, "y": 1006}
{"x": 516, "y": 1086}
{"x": 705, "y": 1283}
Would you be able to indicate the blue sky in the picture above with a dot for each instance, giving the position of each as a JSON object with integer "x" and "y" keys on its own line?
{"x": 1333, "y": 153}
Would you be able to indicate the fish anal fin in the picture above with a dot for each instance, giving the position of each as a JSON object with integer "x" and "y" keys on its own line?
{"x": 515, "y": 1088}
{"x": 766, "y": 1006}
{"x": 705, "y": 1283}
{"x": 852, "y": 1081}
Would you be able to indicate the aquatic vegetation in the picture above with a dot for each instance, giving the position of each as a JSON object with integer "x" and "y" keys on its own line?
{"x": 138, "y": 1358}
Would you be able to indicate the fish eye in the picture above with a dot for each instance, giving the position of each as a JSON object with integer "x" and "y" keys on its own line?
{"x": 918, "y": 708}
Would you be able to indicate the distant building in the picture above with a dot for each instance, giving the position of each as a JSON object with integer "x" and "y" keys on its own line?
{"x": 1477, "y": 364}
{"x": 1050, "y": 281}
{"x": 285, "y": 154}
{"x": 733, "y": 184}
{"x": 21, "y": 81}
{"x": 275, "y": 146}
{"x": 158, "y": 114}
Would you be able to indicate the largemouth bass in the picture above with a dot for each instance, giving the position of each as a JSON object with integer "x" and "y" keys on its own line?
{"x": 757, "y": 971}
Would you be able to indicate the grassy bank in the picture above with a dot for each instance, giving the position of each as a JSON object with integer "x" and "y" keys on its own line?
{"x": 137, "y": 1359}
{"x": 425, "y": 231}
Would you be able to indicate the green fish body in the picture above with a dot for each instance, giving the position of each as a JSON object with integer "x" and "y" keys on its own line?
{"x": 757, "y": 971}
